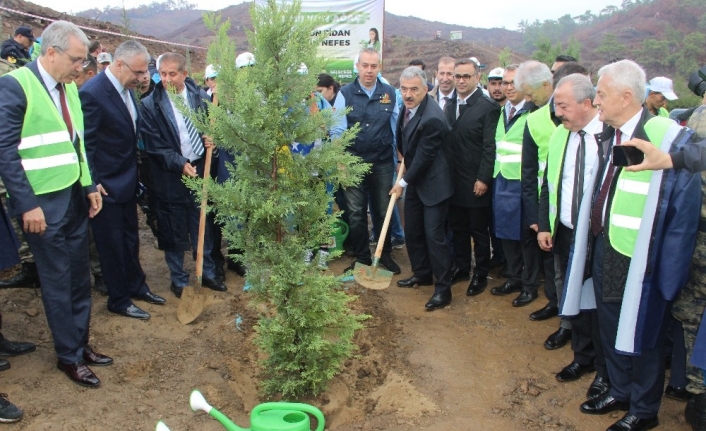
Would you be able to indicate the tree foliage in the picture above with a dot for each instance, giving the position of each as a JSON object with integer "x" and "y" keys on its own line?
{"x": 274, "y": 207}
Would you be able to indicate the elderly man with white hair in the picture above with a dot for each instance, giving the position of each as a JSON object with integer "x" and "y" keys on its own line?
{"x": 633, "y": 239}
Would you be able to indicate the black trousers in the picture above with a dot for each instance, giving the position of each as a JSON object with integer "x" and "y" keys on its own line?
{"x": 468, "y": 223}
{"x": 585, "y": 333}
{"x": 533, "y": 257}
{"x": 637, "y": 379}
{"x": 116, "y": 232}
{"x": 64, "y": 270}
{"x": 425, "y": 236}
{"x": 515, "y": 269}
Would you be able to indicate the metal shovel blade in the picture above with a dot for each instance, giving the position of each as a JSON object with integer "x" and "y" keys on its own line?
{"x": 372, "y": 277}
{"x": 193, "y": 300}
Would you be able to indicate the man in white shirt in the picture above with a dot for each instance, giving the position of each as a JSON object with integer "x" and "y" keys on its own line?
{"x": 444, "y": 89}
{"x": 177, "y": 148}
{"x": 574, "y": 147}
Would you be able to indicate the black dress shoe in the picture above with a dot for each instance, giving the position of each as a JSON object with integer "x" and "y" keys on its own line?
{"x": 524, "y": 298}
{"x": 558, "y": 339}
{"x": 603, "y": 405}
{"x": 389, "y": 264}
{"x": 547, "y": 312}
{"x": 15, "y": 348}
{"x": 677, "y": 393}
{"x": 79, "y": 373}
{"x": 633, "y": 423}
{"x": 152, "y": 298}
{"x": 216, "y": 285}
{"x": 91, "y": 357}
{"x": 4, "y": 365}
{"x": 351, "y": 267}
{"x": 573, "y": 371}
{"x": 438, "y": 300}
{"x": 598, "y": 388}
{"x": 414, "y": 281}
{"x": 219, "y": 273}
{"x": 458, "y": 275}
{"x": 236, "y": 267}
{"x": 176, "y": 290}
{"x": 477, "y": 285}
{"x": 99, "y": 285}
{"x": 132, "y": 311}
{"x": 27, "y": 277}
{"x": 507, "y": 288}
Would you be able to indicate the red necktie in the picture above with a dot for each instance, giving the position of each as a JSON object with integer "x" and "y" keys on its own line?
{"x": 512, "y": 114}
{"x": 597, "y": 210}
{"x": 65, "y": 110}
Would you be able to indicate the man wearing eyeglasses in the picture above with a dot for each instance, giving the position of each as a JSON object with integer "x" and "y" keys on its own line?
{"x": 112, "y": 121}
{"x": 473, "y": 118}
{"x": 43, "y": 165}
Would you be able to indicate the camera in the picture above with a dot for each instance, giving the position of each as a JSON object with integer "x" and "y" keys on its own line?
{"x": 697, "y": 82}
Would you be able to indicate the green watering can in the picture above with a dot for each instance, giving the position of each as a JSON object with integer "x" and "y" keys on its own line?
{"x": 339, "y": 235}
{"x": 265, "y": 417}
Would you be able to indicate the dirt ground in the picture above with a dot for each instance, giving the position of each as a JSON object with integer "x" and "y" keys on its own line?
{"x": 478, "y": 364}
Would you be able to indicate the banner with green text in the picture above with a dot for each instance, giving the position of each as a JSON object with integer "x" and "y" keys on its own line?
{"x": 351, "y": 26}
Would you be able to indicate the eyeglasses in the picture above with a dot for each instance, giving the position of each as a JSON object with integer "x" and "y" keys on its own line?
{"x": 507, "y": 84}
{"x": 139, "y": 73}
{"x": 74, "y": 60}
{"x": 464, "y": 77}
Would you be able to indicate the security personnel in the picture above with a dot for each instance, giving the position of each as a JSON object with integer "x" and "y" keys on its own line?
{"x": 16, "y": 49}
{"x": 43, "y": 165}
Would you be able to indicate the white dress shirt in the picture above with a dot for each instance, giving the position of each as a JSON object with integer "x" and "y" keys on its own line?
{"x": 570, "y": 156}
{"x": 509, "y": 106}
{"x": 442, "y": 102}
{"x": 412, "y": 112}
{"x": 184, "y": 139}
{"x": 124, "y": 94}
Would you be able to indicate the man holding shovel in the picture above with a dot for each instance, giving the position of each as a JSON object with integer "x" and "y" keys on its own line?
{"x": 421, "y": 131}
{"x": 176, "y": 148}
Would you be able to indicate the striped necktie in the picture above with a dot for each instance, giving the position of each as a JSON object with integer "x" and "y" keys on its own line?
{"x": 194, "y": 135}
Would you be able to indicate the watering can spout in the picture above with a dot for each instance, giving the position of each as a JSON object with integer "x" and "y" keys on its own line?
{"x": 198, "y": 402}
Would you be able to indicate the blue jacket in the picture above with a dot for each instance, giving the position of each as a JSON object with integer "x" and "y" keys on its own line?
{"x": 377, "y": 117}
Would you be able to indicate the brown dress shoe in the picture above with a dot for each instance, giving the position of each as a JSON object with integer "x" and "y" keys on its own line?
{"x": 91, "y": 357}
{"x": 80, "y": 374}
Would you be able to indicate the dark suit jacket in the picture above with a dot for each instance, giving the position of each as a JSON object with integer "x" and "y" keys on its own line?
{"x": 472, "y": 144}
{"x": 111, "y": 139}
{"x": 162, "y": 143}
{"x": 13, "y": 105}
{"x": 422, "y": 144}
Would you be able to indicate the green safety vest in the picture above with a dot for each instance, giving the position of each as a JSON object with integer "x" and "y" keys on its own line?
{"x": 541, "y": 127}
{"x": 630, "y": 196}
{"x": 662, "y": 112}
{"x": 508, "y": 147}
{"x": 556, "y": 149}
{"x": 48, "y": 156}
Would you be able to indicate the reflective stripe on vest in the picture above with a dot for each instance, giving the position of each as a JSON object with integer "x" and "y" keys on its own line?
{"x": 541, "y": 127}
{"x": 48, "y": 156}
{"x": 555, "y": 157}
{"x": 630, "y": 195}
{"x": 508, "y": 147}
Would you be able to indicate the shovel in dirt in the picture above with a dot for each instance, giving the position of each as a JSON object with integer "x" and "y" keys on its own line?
{"x": 193, "y": 299}
{"x": 370, "y": 276}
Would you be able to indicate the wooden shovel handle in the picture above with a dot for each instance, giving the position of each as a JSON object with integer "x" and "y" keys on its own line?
{"x": 204, "y": 204}
{"x": 388, "y": 216}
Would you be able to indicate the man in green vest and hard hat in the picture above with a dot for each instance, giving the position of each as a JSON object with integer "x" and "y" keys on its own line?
{"x": 43, "y": 165}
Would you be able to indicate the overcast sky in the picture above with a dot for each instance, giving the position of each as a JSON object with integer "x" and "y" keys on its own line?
{"x": 485, "y": 14}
